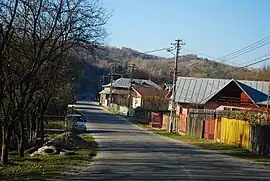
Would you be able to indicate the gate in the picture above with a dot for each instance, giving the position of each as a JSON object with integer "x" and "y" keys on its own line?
{"x": 195, "y": 124}
{"x": 201, "y": 123}
{"x": 156, "y": 120}
{"x": 209, "y": 128}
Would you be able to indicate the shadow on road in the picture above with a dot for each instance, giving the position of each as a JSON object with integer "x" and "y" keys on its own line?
{"x": 86, "y": 108}
{"x": 128, "y": 153}
{"x": 100, "y": 131}
{"x": 87, "y": 103}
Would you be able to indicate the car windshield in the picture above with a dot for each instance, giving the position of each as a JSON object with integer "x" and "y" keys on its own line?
{"x": 76, "y": 118}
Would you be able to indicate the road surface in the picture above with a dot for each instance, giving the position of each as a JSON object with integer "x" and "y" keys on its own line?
{"x": 129, "y": 153}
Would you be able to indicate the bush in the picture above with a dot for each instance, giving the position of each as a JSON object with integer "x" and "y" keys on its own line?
{"x": 139, "y": 111}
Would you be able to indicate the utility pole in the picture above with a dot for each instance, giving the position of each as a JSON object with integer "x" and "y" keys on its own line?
{"x": 268, "y": 95}
{"x": 173, "y": 108}
{"x": 130, "y": 87}
{"x": 111, "y": 84}
{"x": 111, "y": 74}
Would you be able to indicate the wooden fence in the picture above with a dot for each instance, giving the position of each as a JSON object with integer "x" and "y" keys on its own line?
{"x": 213, "y": 125}
{"x": 234, "y": 132}
{"x": 260, "y": 139}
{"x": 166, "y": 122}
{"x": 201, "y": 123}
{"x": 240, "y": 133}
{"x": 122, "y": 110}
{"x": 195, "y": 124}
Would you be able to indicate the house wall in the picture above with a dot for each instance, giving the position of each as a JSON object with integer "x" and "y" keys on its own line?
{"x": 182, "y": 109}
{"x": 136, "y": 102}
{"x": 219, "y": 107}
{"x": 103, "y": 100}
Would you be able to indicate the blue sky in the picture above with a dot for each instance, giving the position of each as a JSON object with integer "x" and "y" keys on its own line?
{"x": 210, "y": 28}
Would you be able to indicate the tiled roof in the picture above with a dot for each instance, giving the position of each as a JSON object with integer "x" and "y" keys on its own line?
{"x": 200, "y": 90}
{"x": 149, "y": 91}
{"x": 125, "y": 83}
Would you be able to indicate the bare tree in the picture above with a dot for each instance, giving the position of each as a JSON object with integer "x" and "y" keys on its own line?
{"x": 156, "y": 103}
{"x": 43, "y": 34}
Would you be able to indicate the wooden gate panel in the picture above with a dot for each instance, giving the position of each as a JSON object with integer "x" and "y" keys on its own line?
{"x": 156, "y": 120}
{"x": 209, "y": 128}
{"x": 183, "y": 123}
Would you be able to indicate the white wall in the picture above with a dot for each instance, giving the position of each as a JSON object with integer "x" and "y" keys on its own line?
{"x": 107, "y": 88}
{"x": 106, "y": 103}
{"x": 136, "y": 102}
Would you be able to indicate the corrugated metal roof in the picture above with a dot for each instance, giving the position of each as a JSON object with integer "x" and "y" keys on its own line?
{"x": 122, "y": 92}
{"x": 125, "y": 82}
{"x": 200, "y": 90}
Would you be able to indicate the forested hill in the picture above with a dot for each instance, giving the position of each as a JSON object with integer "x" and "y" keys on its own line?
{"x": 159, "y": 69}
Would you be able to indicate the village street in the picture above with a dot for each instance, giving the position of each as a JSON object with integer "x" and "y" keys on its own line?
{"x": 127, "y": 152}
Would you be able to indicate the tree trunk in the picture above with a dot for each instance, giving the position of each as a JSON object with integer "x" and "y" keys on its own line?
{"x": 21, "y": 139}
{"x": 37, "y": 125}
{"x": 44, "y": 106}
{"x": 21, "y": 146}
{"x": 5, "y": 143}
{"x": 42, "y": 128}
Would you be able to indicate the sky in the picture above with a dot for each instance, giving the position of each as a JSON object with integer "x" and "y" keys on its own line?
{"x": 210, "y": 28}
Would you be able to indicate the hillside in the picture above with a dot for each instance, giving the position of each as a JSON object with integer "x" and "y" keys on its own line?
{"x": 158, "y": 69}
{"x": 161, "y": 69}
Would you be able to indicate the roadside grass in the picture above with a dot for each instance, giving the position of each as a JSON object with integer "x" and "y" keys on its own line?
{"x": 55, "y": 124}
{"x": 221, "y": 148}
{"x": 112, "y": 111}
{"x": 50, "y": 136}
{"x": 30, "y": 167}
{"x": 141, "y": 124}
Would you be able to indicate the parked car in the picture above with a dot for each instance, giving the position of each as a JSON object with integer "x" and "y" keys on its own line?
{"x": 78, "y": 120}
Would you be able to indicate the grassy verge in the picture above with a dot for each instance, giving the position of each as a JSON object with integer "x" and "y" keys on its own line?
{"x": 55, "y": 124}
{"x": 225, "y": 149}
{"x": 30, "y": 167}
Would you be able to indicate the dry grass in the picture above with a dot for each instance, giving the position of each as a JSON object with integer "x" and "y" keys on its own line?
{"x": 30, "y": 167}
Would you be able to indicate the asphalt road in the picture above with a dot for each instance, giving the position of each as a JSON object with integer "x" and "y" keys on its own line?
{"x": 127, "y": 152}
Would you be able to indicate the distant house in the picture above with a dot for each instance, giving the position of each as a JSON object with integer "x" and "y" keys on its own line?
{"x": 149, "y": 97}
{"x": 220, "y": 94}
{"x": 120, "y": 90}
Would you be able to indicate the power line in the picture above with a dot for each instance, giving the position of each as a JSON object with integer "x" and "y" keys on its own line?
{"x": 208, "y": 56}
{"x": 146, "y": 52}
{"x": 250, "y": 50}
{"x": 240, "y": 52}
{"x": 258, "y": 44}
{"x": 150, "y": 51}
{"x": 254, "y": 63}
{"x": 246, "y": 49}
{"x": 266, "y": 55}
{"x": 245, "y": 66}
